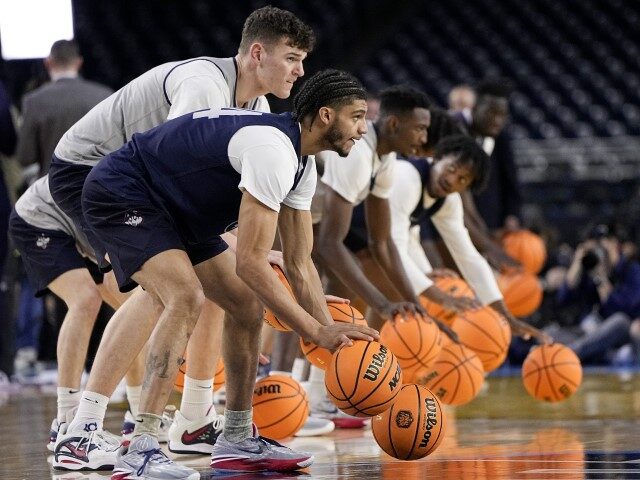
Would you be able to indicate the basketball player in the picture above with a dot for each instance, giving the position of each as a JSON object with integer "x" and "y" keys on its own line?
{"x": 273, "y": 46}
{"x": 461, "y": 97}
{"x": 431, "y": 188}
{"x": 160, "y": 220}
{"x": 58, "y": 258}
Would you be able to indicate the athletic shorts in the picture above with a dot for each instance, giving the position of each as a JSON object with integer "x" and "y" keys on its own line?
{"x": 47, "y": 254}
{"x": 357, "y": 238}
{"x": 66, "y": 180}
{"x": 132, "y": 228}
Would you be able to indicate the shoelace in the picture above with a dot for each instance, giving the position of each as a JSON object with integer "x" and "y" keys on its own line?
{"x": 149, "y": 455}
{"x": 269, "y": 441}
{"x": 102, "y": 438}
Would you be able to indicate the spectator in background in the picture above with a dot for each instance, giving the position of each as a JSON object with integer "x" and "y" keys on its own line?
{"x": 49, "y": 111}
{"x": 461, "y": 97}
{"x": 603, "y": 285}
{"x": 373, "y": 106}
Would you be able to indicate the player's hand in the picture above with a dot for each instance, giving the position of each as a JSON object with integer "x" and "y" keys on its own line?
{"x": 448, "y": 331}
{"x": 334, "y": 299}
{"x": 442, "y": 273}
{"x": 263, "y": 359}
{"x": 393, "y": 310}
{"x": 275, "y": 257}
{"x": 459, "y": 304}
{"x": 334, "y": 336}
{"x": 526, "y": 331}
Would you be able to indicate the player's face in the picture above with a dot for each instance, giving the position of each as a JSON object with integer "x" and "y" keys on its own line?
{"x": 490, "y": 116}
{"x": 279, "y": 67}
{"x": 448, "y": 176}
{"x": 410, "y": 132}
{"x": 348, "y": 126}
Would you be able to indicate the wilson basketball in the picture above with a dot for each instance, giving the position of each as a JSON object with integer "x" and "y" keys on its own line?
{"x": 363, "y": 379}
{"x": 451, "y": 286}
{"x": 526, "y": 247}
{"x": 280, "y": 406}
{"x": 522, "y": 293}
{"x": 218, "y": 379}
{"x": 414, "y": 425}
{"x": 456, "y": 376}
{"x": 340, "y": 312}
{"x": 269, "y": 316}
{"x": 415, "y": 342}
{"x": 487, "y": 333}
{"x": 551, "y": 373}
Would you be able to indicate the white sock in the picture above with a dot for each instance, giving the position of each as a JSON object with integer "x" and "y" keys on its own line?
{"x": 317, "y": 391}
{"x": 133, "y": 397}
{"x": 68, "y": 398}
{"x": 298, "y": 369}
{"x": 91, "y": 411}
{"x": 280, "y": 372}
{"x": 197, "y": 398}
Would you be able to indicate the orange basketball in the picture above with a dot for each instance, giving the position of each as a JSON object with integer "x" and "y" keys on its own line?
{"x": 487, "y": 333}
{"x": 415, "y": 342}
{"x": 269, "y": 316}
{"x": 414, "y": 425}
{"x": 551, "y": 372}
{"x": 364, "y": 379}
{"x": 456, "y": 376}
{"x": 340, "y": 312}
{"x": 526, "y": 247}
{"x": 451, "y": 286}
{"x": 280, "y": 406}
{"x": 522, "y": 293}
{"x": 218, "y": 379}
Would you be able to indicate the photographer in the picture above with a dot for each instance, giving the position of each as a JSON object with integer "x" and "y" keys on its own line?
{"x": 605, "y": 286}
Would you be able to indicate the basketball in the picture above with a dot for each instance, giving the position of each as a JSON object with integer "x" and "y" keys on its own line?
{"x": 340, "y": 312}
{"x": 451, "y": 286}
{"x": 551, "y": 373}
{"x": 487, "y": 333}
{"x": 526, "y": 247}
{"x": 456, "y": 376}
{"x": 415, "y": 342}
{"x": 363, "y": 379}
{"x": 218, "y": 379}
{"x": 269, "y": 316}
{"x": 280, "y": 406}
{"x": 522, "y": 293}
{"x": 414, "y": 425}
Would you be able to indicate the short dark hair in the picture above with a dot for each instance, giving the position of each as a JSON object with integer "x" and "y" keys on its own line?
{"x": 442, "y": 125}
{"x": 63, "y": 52}
{"x": 401, "y": 99}
{"x": 494, "y": 87}
{"x": 269, "y": 24}
{"x": 327, "y": 88}
{"x": 468, "y": 152}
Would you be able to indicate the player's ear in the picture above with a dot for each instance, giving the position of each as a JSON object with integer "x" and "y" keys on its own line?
{"x": 256, "y": 51}
{"x": 326, "y": 115}
{"x": 393, "y": 123}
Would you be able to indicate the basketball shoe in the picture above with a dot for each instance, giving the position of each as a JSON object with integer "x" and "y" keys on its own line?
{"x": 257, "y": 454}
{"x": 129, "y": 424}
{"x": 143, "y": 459}
{"x": 195, "y": 436}
{"x": 85, "y": 450}
{"x": 53, "y": 434}
{"x": 315, "y": 426}
{"x": 324, "y": 408}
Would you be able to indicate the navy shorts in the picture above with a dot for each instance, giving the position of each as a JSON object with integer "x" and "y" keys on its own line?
{"x": 47, "y": 254}
{"x": 357, "y": 238}
{"x": 132, "y": 228}
{"x": 66, "y": 180}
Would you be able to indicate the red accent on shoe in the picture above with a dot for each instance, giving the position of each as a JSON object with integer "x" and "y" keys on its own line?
{"x": 342, "y": 422}
{"x": 241, "y": 465}
{"x": 189, "y": 438}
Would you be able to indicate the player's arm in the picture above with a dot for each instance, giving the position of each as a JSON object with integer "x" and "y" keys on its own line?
{"x": 256, "y": 232}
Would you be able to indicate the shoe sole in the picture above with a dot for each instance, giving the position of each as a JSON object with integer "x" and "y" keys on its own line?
{"x": 182, "y": 449}
{"x": 84, "y": 468}
{"x": 238, "y": 465}
{"x": 316, "y": 432}
{"x": 130, "y": 475}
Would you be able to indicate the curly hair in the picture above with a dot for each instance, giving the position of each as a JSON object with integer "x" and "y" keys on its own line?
{"x": 327, "y": 88}
{"x": 269, "y": 24}
{"x": 468, "y": 153}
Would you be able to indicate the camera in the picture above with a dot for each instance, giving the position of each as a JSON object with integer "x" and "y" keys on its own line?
{"x": 597, "y": 254}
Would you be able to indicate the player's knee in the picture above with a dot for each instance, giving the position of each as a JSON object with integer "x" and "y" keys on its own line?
{"x": 188, "y": 301}
{"x": 250, "y": 313}
{"x": 86, "y": 299}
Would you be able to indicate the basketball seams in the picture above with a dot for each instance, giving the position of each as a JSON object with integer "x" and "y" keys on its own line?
{"x": 334, "y": 363}
{"x": 547, "y": 376}
{"x": 415, "y": 435}
{"x": 381, "y": 382}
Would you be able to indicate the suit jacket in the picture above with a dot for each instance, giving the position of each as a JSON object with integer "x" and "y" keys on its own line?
{"x": 49, "y": 111}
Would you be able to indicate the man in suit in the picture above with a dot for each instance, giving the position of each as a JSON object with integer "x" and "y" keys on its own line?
{"x": 49, "y": 111}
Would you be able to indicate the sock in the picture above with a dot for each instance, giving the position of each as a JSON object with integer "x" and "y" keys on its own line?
{"x": 298, "y": 369}
{"x": 147, "y": 424}
{"x": 133, "y": 397}
{"x": 316, "y": 390}
{"x": 197, "y": 398}
{"x": 68, "y": 398}
{"x": 237, "y": 425}
{"x": 91, "y": 411}
{"x": 280, "y": 372}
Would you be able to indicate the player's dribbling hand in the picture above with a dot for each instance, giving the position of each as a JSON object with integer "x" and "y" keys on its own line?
{"x": 334, "y": 299}
{"x": 392, "y": 311}
{"x": 274, "y": 257}
{"x": 460, "y": 304}
{"x": 526, "y": 331}
{"x": 448, "y": 331}
{"x": 334, "y": 336}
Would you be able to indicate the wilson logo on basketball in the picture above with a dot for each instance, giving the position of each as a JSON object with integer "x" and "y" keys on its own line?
{"x": 396, "y": 379}
{"x": 430, "y": 420}
{"x": 404, "y": 419}
{"x": 262, "y": 389}
{"x": 377, "y": 362}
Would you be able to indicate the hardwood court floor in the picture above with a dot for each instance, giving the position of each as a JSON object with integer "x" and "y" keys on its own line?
{"x": 503, "y": 434}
